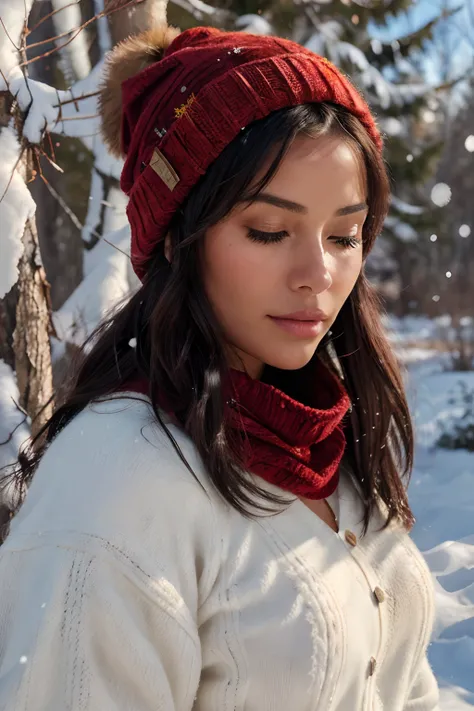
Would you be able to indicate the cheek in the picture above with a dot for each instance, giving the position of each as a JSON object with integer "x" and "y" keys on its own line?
{"x": 233, "y": 272}
{"x": 345, "y": 273}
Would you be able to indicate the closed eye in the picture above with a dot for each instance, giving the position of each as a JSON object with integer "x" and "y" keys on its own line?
{"x": 346, "y": 242}
{"x": 266, "y": 237}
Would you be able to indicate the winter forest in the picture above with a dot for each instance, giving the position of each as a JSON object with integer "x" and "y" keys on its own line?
{"x": 64, "y": 236}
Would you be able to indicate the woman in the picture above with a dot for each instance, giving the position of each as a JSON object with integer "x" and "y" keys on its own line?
{"x": 218, "y": 518}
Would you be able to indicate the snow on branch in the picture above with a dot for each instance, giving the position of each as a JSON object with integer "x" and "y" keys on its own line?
{"x": 16, "y": 207}
{"x": 406, "y": 208}
{"x": 109, "y": 278}
{"x": 13, "y": 17}
{"x": 74, "y": 56}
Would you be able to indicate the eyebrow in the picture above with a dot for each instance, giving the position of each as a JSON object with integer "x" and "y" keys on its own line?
{"x": 301, "y": 209}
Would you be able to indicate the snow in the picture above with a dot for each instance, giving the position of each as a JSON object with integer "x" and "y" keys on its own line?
{"x": 405, "y": 207}
{"x": 441, "y": 194}
{"x": 109, "y": 278}
{"x": 16, "y": 207}
{"x": 465, "y": 231}
{"x": 75, "y": 55}
{"x": 12, "y": 420}
{"x": 402, "y": 230}
{"x": 391, "y": 125}
{"x": 442, "y": 497}
{"x": 469, "y": 144}
{"x": 13, "y": 16}
{"x": 255, "y": 24}
{"x": 102, "y": 25}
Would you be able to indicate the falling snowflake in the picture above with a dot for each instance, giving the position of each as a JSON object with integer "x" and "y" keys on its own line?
{"x": 433, "y": 238}
{"x": 377, "y": 47}
{"x": 464, "y": 230}
{"x": 409, "y": 158}
{"x": 441, "y": 194}
{"x": 23, "y": 660}
{"x": 449, "y": 275}
{"x": 132, "y": 343}
{"x": 429, "y": 116}
{"x": 469, "y": 144}
{"x": 436, "y": 298}
{"x": 392, "y": 126}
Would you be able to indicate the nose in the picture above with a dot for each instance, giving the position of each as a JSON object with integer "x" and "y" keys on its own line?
{"x": 310, "y": 271}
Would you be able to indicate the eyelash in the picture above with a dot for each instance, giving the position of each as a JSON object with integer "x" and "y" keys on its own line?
{"x": 275, "y": 237}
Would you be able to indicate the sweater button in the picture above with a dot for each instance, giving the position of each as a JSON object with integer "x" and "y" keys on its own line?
{"x": 379, "y": 595}
{"x": 351, "y": 538}
{"x": 372, "y": 666}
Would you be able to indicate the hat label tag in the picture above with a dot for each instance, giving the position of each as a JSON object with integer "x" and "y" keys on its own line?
{"x": 164, "y": 169}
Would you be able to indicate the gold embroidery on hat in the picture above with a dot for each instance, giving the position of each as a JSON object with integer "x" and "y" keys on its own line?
{"x": 164, "y": 169}
{"x": 181, "y": 110}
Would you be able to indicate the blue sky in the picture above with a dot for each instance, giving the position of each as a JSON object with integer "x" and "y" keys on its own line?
{"x": 421, "y": 12}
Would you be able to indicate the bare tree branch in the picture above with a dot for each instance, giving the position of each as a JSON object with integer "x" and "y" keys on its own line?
{"x": 13, "y": 172}
{"x": 76, "y": 221}
{"x": 202, "y": 10}
{"x": 76, "y": 31}
{"x": 7, "y": 34}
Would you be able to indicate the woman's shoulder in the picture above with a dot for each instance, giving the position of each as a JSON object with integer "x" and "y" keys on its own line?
{"x": 112, "y": 478}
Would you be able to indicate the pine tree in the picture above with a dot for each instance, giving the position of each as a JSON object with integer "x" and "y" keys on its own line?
{"x": 391, "y": 77}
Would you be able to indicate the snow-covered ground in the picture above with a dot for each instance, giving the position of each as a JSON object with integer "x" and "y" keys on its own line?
{"x": 442, "y": 497}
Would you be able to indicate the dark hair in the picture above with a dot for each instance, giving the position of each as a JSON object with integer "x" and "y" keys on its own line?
{"x": 180, "y": 348}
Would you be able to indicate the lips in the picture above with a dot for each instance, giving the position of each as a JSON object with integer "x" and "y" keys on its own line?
{"x": 303, "y": 324}
{"x": 305, "y": 315}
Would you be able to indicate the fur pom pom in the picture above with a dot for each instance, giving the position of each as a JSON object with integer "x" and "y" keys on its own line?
{"x": 124, "y": 61}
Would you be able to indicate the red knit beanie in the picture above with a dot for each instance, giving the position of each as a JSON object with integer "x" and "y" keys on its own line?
{"x": 185, "y": 97}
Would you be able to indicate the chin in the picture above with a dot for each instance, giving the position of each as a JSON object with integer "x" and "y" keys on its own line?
{"x": 291, "y": 357}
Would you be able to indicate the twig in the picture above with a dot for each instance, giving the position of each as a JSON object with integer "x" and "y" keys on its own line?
{"x": 6, "y": 32}
{"x": 10, "y": 436}
{"x": 51, "y": 51}
{"x": 13, "y": 173}
{"x": 73, "y": 217}
{"x": 78, "y": 98}
{"x": 77, "y": 29}
{"x": 50, "y": 14}
{"x": 115, "y": 247}
{"x": 80, "y": 117}
{"x": 51, "y": 161}
{"x": 5, "y": 80}
{"x": 75, "y": 220}
{"x": 51, "y": 146}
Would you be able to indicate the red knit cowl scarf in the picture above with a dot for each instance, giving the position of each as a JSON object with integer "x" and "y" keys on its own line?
{"x": 295, "y": 444}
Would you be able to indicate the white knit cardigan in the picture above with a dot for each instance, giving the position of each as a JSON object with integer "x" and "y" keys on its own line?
{"x": 125, "y": 585}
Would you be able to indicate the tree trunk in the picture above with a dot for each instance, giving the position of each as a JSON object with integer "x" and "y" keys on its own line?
{"x": 33, "y": 328}
{"x": 25, "y": 313}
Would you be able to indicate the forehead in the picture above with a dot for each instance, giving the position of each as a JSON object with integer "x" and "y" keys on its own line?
{"x": 326, "y": 172}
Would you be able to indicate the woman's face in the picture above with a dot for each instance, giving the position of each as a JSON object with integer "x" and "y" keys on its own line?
{"x": 278, "y": 271}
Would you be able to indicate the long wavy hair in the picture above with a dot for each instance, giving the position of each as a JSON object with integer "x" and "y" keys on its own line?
{"x": 180, "y": 348}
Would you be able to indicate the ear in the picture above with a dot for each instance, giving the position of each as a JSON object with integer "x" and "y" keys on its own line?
{"x": 168, "y": 250}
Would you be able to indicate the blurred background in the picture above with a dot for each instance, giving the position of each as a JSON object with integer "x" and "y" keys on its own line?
{"x": 64, "y": 238}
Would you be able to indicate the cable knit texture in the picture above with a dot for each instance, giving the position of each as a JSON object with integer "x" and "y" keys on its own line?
{"x": 127, "y": 585}
{"x": 295, "y": 446}
{"x": 180, "y": 112}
